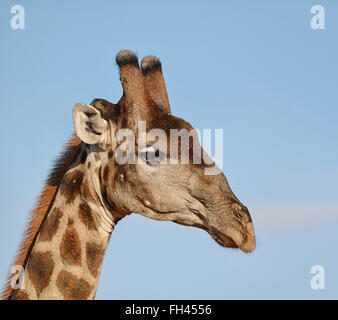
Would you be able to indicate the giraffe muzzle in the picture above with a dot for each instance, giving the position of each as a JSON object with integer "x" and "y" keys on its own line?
{"x": 232, "y": 238}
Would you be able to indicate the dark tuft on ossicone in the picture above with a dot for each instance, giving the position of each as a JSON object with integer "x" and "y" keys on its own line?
{"x": 150, "y": 64}
{"x": 126, "y": 57}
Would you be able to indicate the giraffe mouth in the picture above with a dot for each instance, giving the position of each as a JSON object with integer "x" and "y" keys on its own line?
{"x": 235, "y": 239}
{"x": 225, "y": 241}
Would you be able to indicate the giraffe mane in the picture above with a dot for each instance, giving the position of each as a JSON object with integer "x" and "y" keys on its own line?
{"x": 43, "y": 203}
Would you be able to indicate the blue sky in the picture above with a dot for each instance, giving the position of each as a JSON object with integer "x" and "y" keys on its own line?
{"x": 256, "y": 70}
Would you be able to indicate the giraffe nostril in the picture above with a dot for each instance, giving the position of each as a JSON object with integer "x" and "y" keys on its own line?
{"x": 241, "y": 211}
{"x": 246, "y": 211}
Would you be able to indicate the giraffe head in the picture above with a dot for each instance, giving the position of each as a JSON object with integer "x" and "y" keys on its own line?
{"x": 135, "y": 145}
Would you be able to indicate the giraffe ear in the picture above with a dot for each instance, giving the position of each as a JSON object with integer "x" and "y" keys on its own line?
{"x": 89, "y": 126}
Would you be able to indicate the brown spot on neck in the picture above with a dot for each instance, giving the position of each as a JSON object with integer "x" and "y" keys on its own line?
{"x": 86, "y": 216}
{"x": 40, "y": 268}
{"x": 87, "y": 193}
{"x": 72, "y": 287}
{"x": 94, "y": 254}
{"x": 70, "y": 247}
{"x": 50, "y": 226}
{"x": 71, "y": 184}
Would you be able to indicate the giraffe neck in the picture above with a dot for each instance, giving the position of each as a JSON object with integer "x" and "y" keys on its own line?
{"x": 66, "y": 257}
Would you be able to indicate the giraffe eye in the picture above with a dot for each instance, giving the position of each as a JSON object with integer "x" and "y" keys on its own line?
{"x": 151, "y": 156}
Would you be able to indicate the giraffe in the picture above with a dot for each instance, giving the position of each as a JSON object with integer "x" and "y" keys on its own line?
{"x": 89, "y": 191}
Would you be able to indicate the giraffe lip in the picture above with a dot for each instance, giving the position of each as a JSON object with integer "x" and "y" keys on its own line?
{"x": 234, "y": 239}
{"x": 224, "y": 240}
